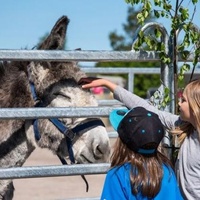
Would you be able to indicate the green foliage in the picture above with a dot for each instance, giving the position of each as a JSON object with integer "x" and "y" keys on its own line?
{"x": 181, "y": 20}
{"x": 124, "y": 43}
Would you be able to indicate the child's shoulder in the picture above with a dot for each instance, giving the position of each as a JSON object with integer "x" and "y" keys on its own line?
{"x": 121, "y": 169}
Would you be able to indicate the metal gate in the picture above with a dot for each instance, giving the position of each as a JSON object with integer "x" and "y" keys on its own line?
{"x": 101, "y": 111}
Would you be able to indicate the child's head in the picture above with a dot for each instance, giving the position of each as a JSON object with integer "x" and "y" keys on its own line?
{"x": 139, "y": 129}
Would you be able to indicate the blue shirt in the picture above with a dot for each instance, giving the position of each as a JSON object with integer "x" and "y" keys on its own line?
{"x": 117, "y": 185}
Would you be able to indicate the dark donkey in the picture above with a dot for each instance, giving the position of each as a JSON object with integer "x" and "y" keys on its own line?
{"x": 47, "y": 84}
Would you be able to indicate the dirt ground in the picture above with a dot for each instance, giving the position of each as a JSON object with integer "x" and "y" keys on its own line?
{"x": 55, "y": 188}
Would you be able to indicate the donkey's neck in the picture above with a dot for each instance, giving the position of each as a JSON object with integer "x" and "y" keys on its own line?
{"x": 16, "y": 149}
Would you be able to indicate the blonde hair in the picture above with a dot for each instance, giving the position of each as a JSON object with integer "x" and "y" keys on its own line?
{"x": 192, "y": 92}
{"x": 146, "y": 172}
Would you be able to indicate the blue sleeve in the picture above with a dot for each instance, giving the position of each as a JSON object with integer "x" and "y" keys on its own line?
{"x": 116, "y": 187}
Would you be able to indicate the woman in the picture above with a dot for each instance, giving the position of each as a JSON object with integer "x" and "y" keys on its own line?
{"x": 187, "y": 126}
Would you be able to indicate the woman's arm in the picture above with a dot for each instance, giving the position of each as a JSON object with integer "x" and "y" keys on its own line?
{"x": 131, "y": 100}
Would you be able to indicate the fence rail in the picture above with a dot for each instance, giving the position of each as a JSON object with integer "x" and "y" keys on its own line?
{"x": 32, "y": 113}
{"x": 52, "y": 171}
{"x": 88, "y": 56}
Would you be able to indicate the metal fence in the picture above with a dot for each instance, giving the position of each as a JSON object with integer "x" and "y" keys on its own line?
{"x": 102, "y": 111}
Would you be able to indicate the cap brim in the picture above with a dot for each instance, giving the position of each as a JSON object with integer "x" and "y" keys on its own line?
{"x": 116, "y": 117}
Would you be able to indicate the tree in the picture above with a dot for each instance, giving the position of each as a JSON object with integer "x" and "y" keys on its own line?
{"x": 181, "y": 20}
{"x": 124, "y": 43}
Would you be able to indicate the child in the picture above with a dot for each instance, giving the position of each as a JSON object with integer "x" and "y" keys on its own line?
{"x": 138, "y": 170}
{"x": 187, "y": 125}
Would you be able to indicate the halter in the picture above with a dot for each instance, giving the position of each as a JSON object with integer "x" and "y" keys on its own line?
{"x": 69, "y": 133}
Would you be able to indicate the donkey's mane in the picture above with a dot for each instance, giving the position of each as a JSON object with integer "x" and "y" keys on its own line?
{"x": 14, "y": 91}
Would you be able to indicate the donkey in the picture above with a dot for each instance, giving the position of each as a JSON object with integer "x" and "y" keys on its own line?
{"x": 47, "y": 84}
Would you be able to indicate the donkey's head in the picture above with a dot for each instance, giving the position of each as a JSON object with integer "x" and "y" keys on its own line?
{"x": 56, "y": 85}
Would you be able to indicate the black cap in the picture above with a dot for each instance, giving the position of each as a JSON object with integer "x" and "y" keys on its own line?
{"x": 141, "y": 130}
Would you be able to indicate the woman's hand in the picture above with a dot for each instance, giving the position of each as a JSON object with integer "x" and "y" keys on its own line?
{"x": 90, "y": 82}
{"x": 87, "y": 81}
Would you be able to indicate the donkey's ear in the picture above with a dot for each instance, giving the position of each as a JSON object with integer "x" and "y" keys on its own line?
{"x": 56, "y": 39}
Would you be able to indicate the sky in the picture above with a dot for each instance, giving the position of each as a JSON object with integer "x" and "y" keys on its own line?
{"x": 23, "y": 22}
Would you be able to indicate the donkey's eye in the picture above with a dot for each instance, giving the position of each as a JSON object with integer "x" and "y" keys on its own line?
{"x": 62, "y": 95}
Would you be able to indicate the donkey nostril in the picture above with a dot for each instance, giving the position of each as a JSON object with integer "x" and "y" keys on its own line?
{"x": 98, "y": 152}
{"x": 99, "y": 149}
